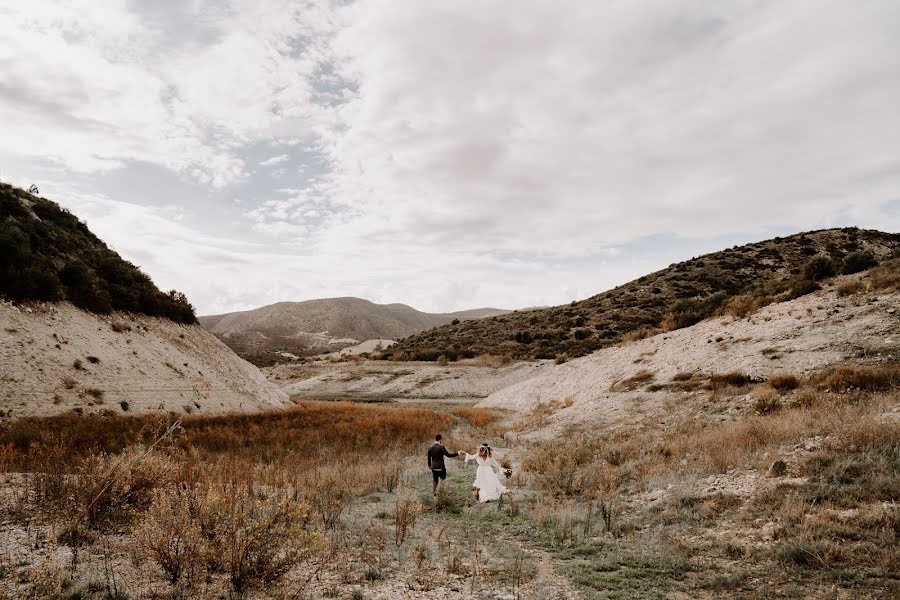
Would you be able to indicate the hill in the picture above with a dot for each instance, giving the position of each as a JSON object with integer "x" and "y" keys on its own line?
{"x": 48, "y": 254}
{"x": 84, "y": 330}
{"x": 327, "y": 324}
{"x": 733, "y": 281}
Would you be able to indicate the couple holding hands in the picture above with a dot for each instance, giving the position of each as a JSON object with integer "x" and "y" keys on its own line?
{"x": 487, "y": 485}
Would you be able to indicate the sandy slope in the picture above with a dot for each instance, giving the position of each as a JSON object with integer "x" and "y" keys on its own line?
{"x": 800, "y": 336}
{"x": 157, "y": 365}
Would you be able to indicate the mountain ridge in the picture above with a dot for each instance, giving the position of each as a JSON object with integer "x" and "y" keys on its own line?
{"x": 731, "y": 281}
{"x": 323, "y": 324}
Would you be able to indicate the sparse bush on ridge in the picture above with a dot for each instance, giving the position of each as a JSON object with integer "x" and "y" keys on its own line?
{"x": 736, "y": 282}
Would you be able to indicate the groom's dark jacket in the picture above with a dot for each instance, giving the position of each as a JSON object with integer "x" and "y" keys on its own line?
{"x": 436, "y": 456}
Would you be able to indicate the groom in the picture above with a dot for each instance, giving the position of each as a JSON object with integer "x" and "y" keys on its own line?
{"x": 436, "y": 454}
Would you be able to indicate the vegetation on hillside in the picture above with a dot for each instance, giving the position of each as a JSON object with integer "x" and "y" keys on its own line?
{"x": 48, "y": 254}
{"x": 736, "y": 281}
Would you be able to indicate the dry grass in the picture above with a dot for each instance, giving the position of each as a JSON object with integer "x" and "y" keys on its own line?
{"x": 730, "y": 379}
{"x": 241, "y": 499}
{"x": 486, "y": 360}
{"x": 477, "y": 417}
{"x": 632, "y": 383}
{"x": 850, "y": 288}
{"x": 784, "y": 382}
{"x": 885, "y": 276}
{"x": 766, "y": 401}
{"x": 744, "y": 305}
{"x": 869, "y": 379}
{"x": 538, "y": 416}
{"x": 640, "y": 333}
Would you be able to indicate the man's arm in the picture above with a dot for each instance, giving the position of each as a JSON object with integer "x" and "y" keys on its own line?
{"x": 429, "y": 457}
{"x": 449, "y": 455}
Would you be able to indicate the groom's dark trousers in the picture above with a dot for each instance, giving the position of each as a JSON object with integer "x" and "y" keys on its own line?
{"x": 436, "y": 456}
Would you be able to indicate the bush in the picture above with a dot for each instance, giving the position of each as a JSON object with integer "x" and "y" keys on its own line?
{"x": 254, "y": 539}
{"x": 868, "y": 379}
{"x": 819, "y": 267}
{"x": 850, "y": 288}
{"x": 858, "y": 261}
{"x": 766, "y": 402}
{"x": 802, "y": 288}
{"x": 784, "y": 382}
{"x": 171, "y": 534}
{"x": 691, "y": 311}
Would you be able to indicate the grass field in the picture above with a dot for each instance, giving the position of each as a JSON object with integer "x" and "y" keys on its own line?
{"x": 333, "y": 500}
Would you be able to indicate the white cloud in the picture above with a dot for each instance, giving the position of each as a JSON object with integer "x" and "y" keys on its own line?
{"x": 562, "y": 129}
{"x": 275, "y": 160}
{"x": 94, "y": 88}
{"x": 452, "y": 154}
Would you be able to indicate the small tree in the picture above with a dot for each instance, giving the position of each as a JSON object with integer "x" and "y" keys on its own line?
{"x": 858, "y": 261}
{"x": 818, "y": 267}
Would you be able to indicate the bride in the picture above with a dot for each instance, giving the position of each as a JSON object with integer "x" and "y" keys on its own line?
{"x": 487, "y": 485}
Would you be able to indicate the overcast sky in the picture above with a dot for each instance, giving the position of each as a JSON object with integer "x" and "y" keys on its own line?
{"x": 448, "y": 154}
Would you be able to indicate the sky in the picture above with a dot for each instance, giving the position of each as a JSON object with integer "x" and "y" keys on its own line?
{"x": 448, "y": 154}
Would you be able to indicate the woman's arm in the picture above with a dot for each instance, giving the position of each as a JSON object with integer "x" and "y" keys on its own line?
{"x": 469, "y": 457}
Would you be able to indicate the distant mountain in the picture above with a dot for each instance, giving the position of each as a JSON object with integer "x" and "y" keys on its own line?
{"x": 732, "y": 281}
{"x": 314, "y": 326}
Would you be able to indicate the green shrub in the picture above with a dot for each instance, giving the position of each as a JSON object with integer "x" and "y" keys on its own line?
{"x": 858, "y": 261}
{"x": 802, "y": 288}
{"x": 55, "y": 257}
{"x": 818, "y": 267}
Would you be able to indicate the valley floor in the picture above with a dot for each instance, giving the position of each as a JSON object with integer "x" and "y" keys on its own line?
{"x": 704, "y": 511}
{"x": 748, "y": 458}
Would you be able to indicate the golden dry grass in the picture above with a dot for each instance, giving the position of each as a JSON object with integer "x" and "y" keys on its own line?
{"x": 476, "y": 416}
{"x": 633, "y": 382}
{"x": 784, "y": 382}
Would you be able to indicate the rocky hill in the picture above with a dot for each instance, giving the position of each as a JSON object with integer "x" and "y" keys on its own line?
{"x": 734, "y": 281}
{"x": 48, "y": 254}
{"x": 83, "y": 330}
{"x": 852, "y": 320}
{"x": 323, "y": 325}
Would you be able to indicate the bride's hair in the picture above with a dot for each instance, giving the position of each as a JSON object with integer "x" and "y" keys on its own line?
{"x": 484, "y": 452}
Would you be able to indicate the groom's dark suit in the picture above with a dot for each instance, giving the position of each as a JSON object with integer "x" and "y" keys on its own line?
{"x": 436, "y": 456}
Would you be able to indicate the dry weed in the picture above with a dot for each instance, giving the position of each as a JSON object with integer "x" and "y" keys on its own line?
{"x": 476, "y": 416}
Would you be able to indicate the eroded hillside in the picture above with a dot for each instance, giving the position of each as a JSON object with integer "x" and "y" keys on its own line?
{"x": 56, "y": 358}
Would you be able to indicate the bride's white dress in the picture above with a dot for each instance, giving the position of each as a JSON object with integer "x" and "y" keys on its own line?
{"x": 486, "y": 480}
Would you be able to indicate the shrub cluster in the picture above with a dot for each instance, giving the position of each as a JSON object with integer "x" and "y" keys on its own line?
{"x": 49, "y": 255}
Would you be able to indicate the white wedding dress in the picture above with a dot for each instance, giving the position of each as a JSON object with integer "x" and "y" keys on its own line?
{"x": 486, "y": 480}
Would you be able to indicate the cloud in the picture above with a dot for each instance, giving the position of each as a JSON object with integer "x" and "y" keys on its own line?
{"x": 450, "y": 154}
{"x": 539, "y": 128}
{"x": 131, "y": 90}
{"x": 275, "y": 160}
